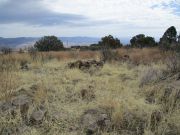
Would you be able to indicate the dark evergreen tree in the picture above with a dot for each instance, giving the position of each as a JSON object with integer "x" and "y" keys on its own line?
{"x": 169, "y": 38}
{"x": 178, "y": 39}
{"x": 6, "y": 50}
{"x": 111, "y": 42}
{"x": 142, "y": 41}
{"x": 49, "y": 43}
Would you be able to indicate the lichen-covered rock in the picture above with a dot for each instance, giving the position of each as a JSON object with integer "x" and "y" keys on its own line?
{"x": 14, "y": 130}
{"x": 95, "y": 120}
{"x": 38, "y": 116}
{"x": 85, "y": 64}
{"x": 6, "y": 106}
{"x": 22, "y": 102}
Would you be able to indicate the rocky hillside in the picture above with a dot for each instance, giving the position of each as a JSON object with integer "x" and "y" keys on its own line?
{"x": 43, "y": 95}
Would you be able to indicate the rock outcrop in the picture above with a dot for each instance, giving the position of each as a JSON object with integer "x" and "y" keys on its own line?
{"x": 85, "y": 64}
{"x": 95, "y": 120}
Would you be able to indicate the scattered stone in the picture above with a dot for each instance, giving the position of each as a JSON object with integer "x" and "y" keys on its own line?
{"x": 22, "y": 102}
{"x": 95, "y": 120}
{"x": 15, "y": 130}
{"x": 29, "y": 91}
{"x": 87, "y": 94}
{"x": 38, "y": 116}
{"x": 8, "y": 131}
{"x": 22, "y": 129}
{"x": 5, "y": 106}
{"x": 73, "y": 128}
{"x": 125, "y": 58}
{"x": 24, "y": 65}
{"x": 76, "y": 81}
{"x": 125, "y": 77}
{"x": 177, "y": 77}
{"x": 85, "y": 64}
{"x": 56, "y": 116}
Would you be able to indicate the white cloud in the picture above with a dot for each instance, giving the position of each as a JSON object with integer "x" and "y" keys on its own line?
{"x": 118, "y": 17}
{"x": 137, "y": 14}
{"x": 133, "y": 11}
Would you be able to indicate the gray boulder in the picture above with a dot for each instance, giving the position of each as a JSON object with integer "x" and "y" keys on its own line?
{"x": 38, "y": 116}
{"x": 22, "y": 102}
{"x": 95, "y": 120}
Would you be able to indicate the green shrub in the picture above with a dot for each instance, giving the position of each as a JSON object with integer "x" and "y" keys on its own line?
{"x": 49, "y": 43}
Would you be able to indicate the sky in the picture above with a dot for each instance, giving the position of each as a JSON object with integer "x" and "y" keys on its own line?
{"x": 94, "y": 18}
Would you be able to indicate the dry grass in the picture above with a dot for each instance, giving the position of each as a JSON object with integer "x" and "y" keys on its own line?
{"x": 145, "y": 55}
{"x": 115, "y": 87}
{"x": 137, "y": 56}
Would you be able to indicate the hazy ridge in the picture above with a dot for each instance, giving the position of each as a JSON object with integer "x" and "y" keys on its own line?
{"x": 68, "y": 41}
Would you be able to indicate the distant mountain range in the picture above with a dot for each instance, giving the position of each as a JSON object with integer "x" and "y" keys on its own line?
{"x": 21, "y": 42}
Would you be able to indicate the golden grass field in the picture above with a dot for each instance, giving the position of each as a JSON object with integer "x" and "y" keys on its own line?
{"x": 123, "y": 88}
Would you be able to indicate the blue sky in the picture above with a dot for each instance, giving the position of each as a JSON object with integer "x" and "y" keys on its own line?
{"x": 95, "y": 18}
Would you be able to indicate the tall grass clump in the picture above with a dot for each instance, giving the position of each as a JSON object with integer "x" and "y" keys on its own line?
{"x": 8, "y": 76}
{"x": 108, "y": 54}
{"x": 173, "y": 63}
